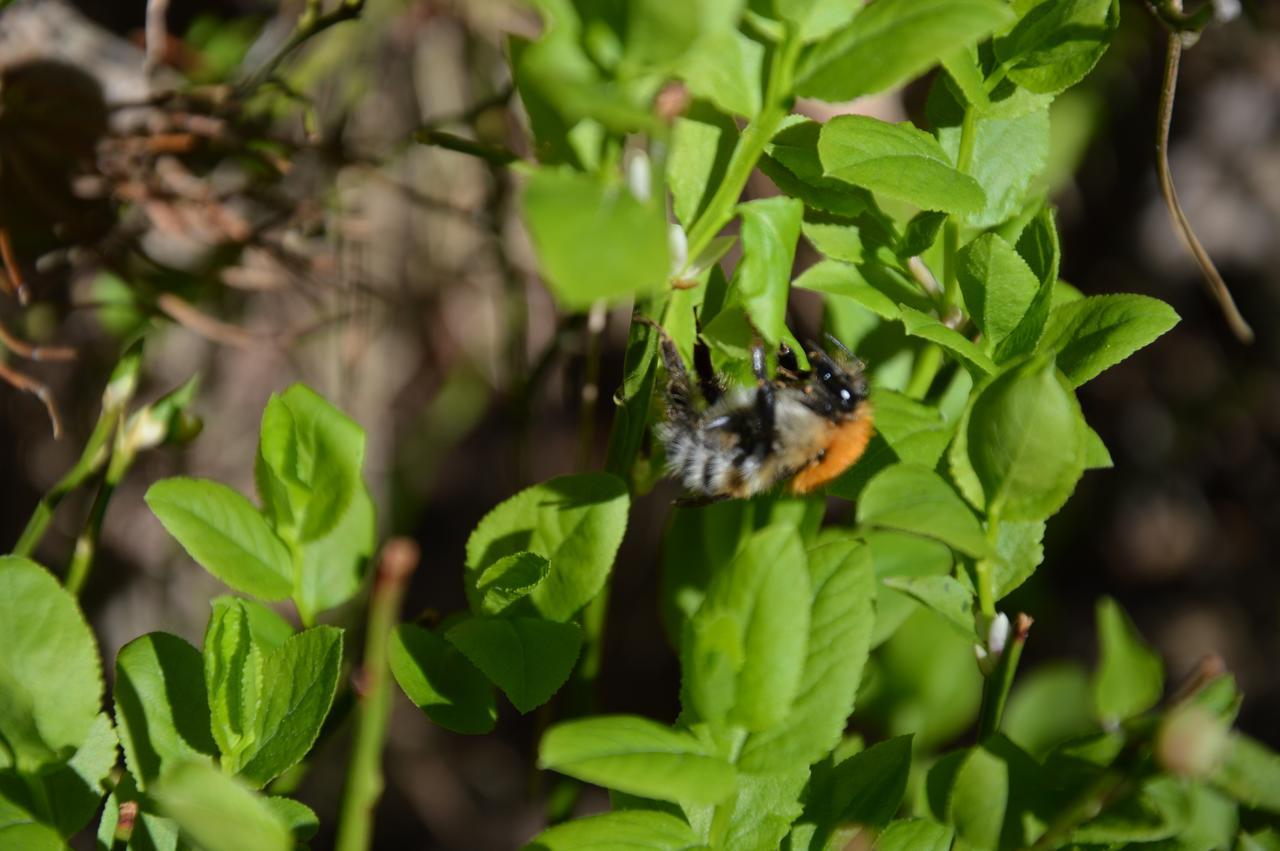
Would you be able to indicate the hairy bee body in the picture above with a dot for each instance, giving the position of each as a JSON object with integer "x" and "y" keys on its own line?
{"x": 802, "y": 427}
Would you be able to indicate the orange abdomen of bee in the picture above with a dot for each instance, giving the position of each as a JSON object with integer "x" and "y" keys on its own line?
{"x": 845, "y": 445}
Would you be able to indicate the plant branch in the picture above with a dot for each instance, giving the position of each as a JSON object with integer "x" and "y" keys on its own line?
{"x": 995, "y": 693}
{"x": 1217, "y": 286}
{"x": 396, "y": 563}
{"x": 310, "y": 24}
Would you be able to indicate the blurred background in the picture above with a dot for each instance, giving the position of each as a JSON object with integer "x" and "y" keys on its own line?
{"x": 293, "y": 230}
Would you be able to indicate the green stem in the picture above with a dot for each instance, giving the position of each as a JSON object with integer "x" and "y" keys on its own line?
{"x": 115, "y": 398}
{"x": 86, "y": 548}
{"x": 995, "y": 693}
{"x": 365, "y": 782}
{"x": 986, "y": 598}
{"x": 751, "y": 144}
{"x": 951, "y": 232}
{"x": 925, "y": 369}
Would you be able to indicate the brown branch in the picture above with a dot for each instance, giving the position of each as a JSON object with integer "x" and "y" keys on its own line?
{"x": 1217, "y": 286}
{"x": 215, "y": 330}
{"x": 27, "y": 384}
{"x": 11, "y": 269}
{"x": 23, "y": 349}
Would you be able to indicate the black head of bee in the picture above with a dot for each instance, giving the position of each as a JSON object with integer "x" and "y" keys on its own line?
{"x": 836, "y": 387}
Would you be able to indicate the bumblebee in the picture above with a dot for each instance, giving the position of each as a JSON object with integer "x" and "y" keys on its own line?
{"x": 802, "y": 427}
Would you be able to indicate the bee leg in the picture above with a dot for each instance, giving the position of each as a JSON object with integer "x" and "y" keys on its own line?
{"x": 711, "y": 386}
{"x": 680, "y": 392}
{"x": 787, "y": 359}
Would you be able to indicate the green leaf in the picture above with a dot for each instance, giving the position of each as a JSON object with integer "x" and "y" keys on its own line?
{"x": 1158, "y": 809}
{"x": 50, "y": 675}
{"x": 927, "y": 683}
{"x": 637, "y": 756}
{"x": 232, "y": 674}
{"x": 1097, "y": 332}
{"x": 724, "y": 68}
{"x": 440, "y": 681}
{"x": 1019, "y": 551}
{"x": 217, "y": 813}
{"x": 920, "y": 233}
{"x": 528, "y": 658}
{"x": 1130, "y": 677}
{"x": 575, "y": 522}
{"x": 151, "y": 832}
{"x": 1006, "y": 154}
{"x": 843, "y": 279}
{"x": 840, "y": 625}
{"x": 1025, "y": 442}
{"x": 700, "y": 542}
{"x": 75, "y": 789}
{"x": 224, "y": 534}
{"x": 770, "y": 228}
{"x": 745, "y": 656}
{"x": 1049, "y": 706}
{"x": 868, "y": 787}
{"x": 917, "y": 834}
{"x": 1038, "y": 247}
{"x": 701, "y": 144}
{"x": 30, "y": 836}
{"x": 1250, "y": 773}
{"x": 915, "y": 432}
{"x": 332, "y": 568}
{"x": 303, "y": 676}
{"x": 915, "y": 499}
{"x": 308, "y": 464}
{"x": 1056, "y": 42}
{"x": 931, "y": 328}
{"x": 162, "y": 707}
{"x": 893, "y": 41}
{"x": 647, "y": 829}
{"x": 762, "y": 810}
{"x": 594, "y": 240}
{"x": 976, "y": 805}
{"x": 1096, "y": 454}
{"x": 509, "y": 580}
{"x": 944, "y": 594}
{"x": 896, "y": 160}
{"x": 814, "y": 19}
{"x": 900, "y": 554}
{"x": 297, "y": 816}
{"x": 997, "y": 284}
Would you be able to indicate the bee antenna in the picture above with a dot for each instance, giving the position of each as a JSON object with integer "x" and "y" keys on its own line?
{"x": 841, "y": 346}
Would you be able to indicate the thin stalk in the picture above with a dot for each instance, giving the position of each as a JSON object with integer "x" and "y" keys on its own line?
{"x": 310, "y": 23}
{"x": 951, "y": 231}
{"x": 986, "y": 597}
{"x": 86, "y": 548}
{"x": 925, "y": 369}
{"x": 995, "y": 693}
{"x": 750, "y": 146}
{"x": 1217, "y": 286}
{"x": 115, "y": 398}
{"x": 398, "y": 560}
{"x": 90, "y": 461}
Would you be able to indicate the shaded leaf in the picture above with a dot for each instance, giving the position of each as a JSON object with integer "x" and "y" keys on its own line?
{"x": 162, "y": 708}
{"x": 1130, "y": 677}
{"x": 440, "y": 681}
{"x": 528, "y": 658}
